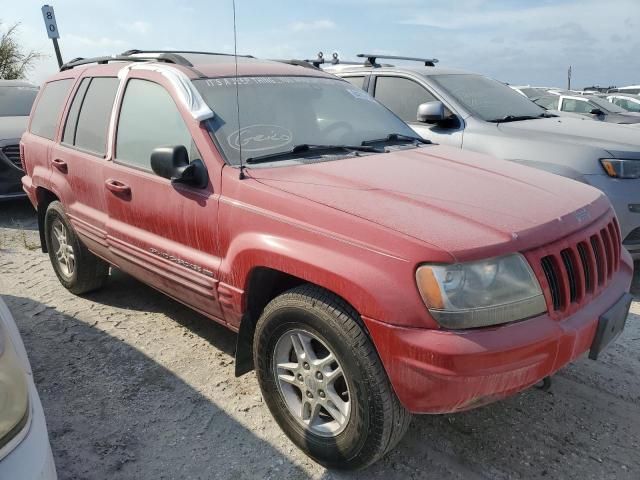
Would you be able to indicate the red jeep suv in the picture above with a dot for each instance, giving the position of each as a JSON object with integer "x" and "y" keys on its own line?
{"x": 369, "y": 274}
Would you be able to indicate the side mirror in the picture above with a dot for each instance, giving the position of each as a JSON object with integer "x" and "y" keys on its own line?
{"x": 430, "y": 112}
{"x": 596, "y": 111}
{"x": 173, "y": 163}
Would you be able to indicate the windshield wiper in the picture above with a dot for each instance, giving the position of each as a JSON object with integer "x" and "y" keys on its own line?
{"x": 515, "y": 118}
{"x": 396, "y": 137}
{"x": 309, "y": 147}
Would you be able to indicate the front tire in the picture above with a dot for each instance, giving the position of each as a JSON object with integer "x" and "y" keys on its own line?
{"x": 323, "y": 381}
{"x": 78, "y": 270}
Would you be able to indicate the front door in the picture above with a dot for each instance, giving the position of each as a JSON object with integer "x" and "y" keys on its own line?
{"x": 161, "y": 233}
{"x": 403, "y": 96}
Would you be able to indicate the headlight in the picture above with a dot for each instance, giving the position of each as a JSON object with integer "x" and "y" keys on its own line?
{"x": 479, "y": 294}
{"x": 620, "y": 168}
{"x": 14, "y": 396}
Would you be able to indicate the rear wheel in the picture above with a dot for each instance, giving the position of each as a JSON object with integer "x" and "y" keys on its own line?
{"x": 78, "y": 269}
{"x": 322, "y": 379}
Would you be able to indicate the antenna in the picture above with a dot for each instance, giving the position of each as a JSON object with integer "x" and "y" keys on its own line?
{"x": 235, "y": 56}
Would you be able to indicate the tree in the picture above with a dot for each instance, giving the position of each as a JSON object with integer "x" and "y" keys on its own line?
{"x": 15, "y": 63}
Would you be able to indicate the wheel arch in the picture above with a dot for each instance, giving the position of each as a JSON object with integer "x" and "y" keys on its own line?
{"x": 262, "y": 286}
{"x": 44, "y": 198}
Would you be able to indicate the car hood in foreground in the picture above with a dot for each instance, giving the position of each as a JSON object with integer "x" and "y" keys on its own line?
{"x": 467, "y": 204}
{"x": 615, "y": 139}
{"x": 12, "y": 127}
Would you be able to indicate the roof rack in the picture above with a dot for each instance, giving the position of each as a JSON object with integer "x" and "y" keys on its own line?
{"x": 168, "y": 58}
{"x": 136, "y": 51}
{"x": 135, "y": 55}
{"x": 371, "y": 59}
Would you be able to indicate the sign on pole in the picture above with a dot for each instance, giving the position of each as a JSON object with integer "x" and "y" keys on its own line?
{"x": 52, "y": 29}
{"x": 50, "y": 21}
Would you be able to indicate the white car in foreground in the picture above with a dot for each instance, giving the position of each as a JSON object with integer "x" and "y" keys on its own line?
{"x": 25, "y": 452}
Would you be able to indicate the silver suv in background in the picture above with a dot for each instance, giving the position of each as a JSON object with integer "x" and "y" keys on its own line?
{"x": 16, "y": 98}
{"x": 477, "y": 113}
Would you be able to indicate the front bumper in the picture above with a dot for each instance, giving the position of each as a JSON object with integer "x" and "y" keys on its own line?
{"x": 31, "y": 458}
{"x": 443, "y": 371}
{"x": 624, "y": 195}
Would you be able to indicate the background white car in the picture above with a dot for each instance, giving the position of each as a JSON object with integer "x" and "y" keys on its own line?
{"x": 25, "y": 452}
{"x": 628, "y": 101}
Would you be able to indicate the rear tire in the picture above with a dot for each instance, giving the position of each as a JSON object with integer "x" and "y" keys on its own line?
{"x": 302, "y": 339}
{"x": 78, "y": 270}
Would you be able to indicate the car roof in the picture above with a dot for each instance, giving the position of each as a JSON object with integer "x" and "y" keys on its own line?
{"x": 16, "y": 83}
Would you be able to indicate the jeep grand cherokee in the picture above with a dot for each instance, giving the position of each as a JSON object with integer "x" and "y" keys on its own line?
{"x": 369, "y": 274}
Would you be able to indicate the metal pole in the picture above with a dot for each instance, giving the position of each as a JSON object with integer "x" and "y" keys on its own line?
{"x": 56, "y": 47}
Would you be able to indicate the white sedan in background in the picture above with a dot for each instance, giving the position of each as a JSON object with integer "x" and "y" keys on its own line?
{"x": 25, "y": 452}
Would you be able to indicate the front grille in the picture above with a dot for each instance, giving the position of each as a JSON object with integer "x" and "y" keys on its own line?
{"x": 12, "y": 152}
{"x": 580, "y": 268}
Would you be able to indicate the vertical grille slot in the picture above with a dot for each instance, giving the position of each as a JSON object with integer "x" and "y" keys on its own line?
{"x": 550, "y": 273}
{"x": 571, "y": 274}
{"x": 608, "y": 251}
{"x": 586, "y": 267}
{"x": 597, "y": 252}
{"x": 613, "y": 234}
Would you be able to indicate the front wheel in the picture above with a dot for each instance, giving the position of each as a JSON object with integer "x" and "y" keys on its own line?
{"x": 323, "y": 382}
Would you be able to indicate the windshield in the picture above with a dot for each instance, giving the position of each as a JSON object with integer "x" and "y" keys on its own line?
{"x": 279, "y": 113}
{"x": 16, "y": 101}
{"x": 485, "y": 98}
{"x": 606, "y": 105}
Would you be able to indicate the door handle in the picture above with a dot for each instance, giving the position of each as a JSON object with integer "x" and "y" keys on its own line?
{"x": 59, "y": 164}
{"x": 117, "y": 187}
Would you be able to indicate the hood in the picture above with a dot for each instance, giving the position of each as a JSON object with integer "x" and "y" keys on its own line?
{"x": 615, "y": 139}
{"x": 467, "y": 204}
{"x": 12, "y": 127}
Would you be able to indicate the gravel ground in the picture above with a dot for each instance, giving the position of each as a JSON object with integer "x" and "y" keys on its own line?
{"x": 134, "y": 385}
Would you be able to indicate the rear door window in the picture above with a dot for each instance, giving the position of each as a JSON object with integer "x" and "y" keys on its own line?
{"x": 149, "y": 118}
{"x": 88, "y": 120}
{"x": 44, "y": 121}
{"x": 402, "y": 96}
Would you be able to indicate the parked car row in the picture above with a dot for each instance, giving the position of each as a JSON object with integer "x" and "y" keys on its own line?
{"x": 375, "y": 262}
{"x": 619, "y": 108}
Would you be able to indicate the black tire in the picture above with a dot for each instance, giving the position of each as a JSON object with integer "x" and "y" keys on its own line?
{"x": 89, "y": 272}
{"x": 377, "y": 421}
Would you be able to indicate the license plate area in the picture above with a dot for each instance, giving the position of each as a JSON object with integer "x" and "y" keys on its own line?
{"x": 610, "y": 325}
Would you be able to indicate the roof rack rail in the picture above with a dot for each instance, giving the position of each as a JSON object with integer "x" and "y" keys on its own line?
{"x": 371, "y": 59}
{"x": 135, "y": 51}
{"x": 168, "y": 58}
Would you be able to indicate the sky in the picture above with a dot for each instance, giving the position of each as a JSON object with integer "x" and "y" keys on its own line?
{"x": 526, "y": 42}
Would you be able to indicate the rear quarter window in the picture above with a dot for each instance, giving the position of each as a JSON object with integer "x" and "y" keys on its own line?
{"x": 44, "y": 121}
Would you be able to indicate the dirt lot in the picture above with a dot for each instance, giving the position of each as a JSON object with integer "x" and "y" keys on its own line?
{"x": 134, "y": 385}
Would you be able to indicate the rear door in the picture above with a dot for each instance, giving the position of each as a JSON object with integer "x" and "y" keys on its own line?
{"x": 403, "y": 95}
{"x": 43, "y": 130}
{"x": 161, "y": 233}
{"x": 79, "y": 158}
